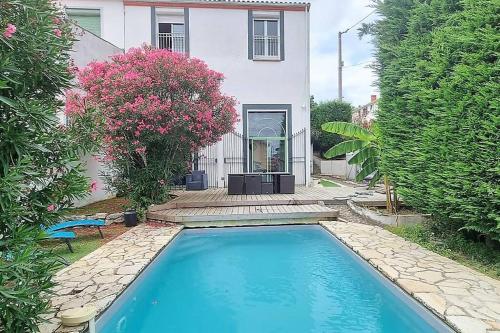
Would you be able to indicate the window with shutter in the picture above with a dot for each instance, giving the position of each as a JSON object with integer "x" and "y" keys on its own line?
{"x": 88, "y": 19}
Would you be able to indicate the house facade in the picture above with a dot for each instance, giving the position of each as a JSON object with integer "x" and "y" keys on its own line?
{"x": 364, "y": 115}
{"x": 262, "y": 48}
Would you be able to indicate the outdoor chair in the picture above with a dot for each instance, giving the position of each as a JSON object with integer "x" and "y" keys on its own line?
{"x": 78, "y": 224}
{"x": 235, "y": 184}
{"x": 253, "y": 184}
{"x": 65, "y": 236}
{"x": 197, "y": 181}
{"x": 287, "y": 184}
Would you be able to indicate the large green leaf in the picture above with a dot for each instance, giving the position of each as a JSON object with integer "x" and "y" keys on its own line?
{"x": 366, "y": 171}
{"x": 345, "y": 147}
{"x": 363, "y": 154}
{"x": 375, "y": 179}
{"x": 348, "y": 129}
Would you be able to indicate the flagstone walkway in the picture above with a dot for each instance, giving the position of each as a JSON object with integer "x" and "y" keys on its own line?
{"x": 467, "y": 300}
{"x": 98, "y": 278}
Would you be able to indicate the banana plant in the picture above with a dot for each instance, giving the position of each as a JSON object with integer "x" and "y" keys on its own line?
{"x": 362, "y": 142}
{"x": 365, "y": 145}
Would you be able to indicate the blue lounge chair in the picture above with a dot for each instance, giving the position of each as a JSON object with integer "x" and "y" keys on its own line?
{"x": 78, "y": 224}
{"x": 62, "y": 235}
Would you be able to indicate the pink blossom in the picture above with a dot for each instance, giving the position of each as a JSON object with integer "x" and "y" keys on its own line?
{"x": 93, "y": 186}
{"x": 9, "y": 31}
{"x": 51, "y": 207}
{"x": 152, "y": 94}
{"x": 57, "y": 32}
{"x": 56, "y": 20}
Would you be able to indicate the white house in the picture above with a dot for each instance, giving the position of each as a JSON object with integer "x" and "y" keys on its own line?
{"x": 262, "y": 48}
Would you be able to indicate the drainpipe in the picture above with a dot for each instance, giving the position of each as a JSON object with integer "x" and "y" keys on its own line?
{"x": 307, "y": 98}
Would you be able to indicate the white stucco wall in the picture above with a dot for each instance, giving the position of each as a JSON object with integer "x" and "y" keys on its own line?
{"x": 89, "y": 48}
{"x": 112, "y": 18}
{"x": 137, "y": 26}
{"x": 220, "y": 38}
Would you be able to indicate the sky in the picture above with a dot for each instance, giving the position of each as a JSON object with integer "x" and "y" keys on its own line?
{"x": 328, "y": 17}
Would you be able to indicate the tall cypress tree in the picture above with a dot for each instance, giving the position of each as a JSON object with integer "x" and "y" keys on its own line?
{"x": 439, "y": 115}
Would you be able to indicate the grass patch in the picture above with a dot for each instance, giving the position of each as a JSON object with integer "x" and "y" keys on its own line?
{"x": 110, "y": 206}
{"x": 475, "y": 255}
{"x": 328, "y": 183}
{"x": 87, "y": 240}
{"x": 82, "y": 246}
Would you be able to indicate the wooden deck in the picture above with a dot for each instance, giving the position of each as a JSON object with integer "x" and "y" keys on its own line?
{"x": 218, "y": 197}
{"x": 245, "y": 215}
{"x": 214, "y": 207}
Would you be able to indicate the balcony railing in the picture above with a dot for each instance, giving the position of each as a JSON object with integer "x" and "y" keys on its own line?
{"x": 266, "y": 46}
{"x": 174, "y": 42}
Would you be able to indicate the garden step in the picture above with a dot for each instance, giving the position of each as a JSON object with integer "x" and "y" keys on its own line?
{"x": 246, "y": 215}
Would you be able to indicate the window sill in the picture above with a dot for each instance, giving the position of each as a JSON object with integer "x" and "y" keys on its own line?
{"x": 260, "y": 58}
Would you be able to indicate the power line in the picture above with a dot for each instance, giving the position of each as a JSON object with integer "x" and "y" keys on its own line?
{"x": 355, "y": 24}
{"x": 341, "y": 63}
{"x": 358, "y": 64}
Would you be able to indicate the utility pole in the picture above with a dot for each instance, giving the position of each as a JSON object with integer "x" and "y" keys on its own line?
{"x": 341, "y": 63}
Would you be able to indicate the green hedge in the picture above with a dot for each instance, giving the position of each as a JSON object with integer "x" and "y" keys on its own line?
{"x": 439, "y": 114}
{"x": 324, "y": 112}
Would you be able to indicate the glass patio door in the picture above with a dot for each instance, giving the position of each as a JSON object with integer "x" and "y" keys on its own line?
{"x": 267, "y": 142}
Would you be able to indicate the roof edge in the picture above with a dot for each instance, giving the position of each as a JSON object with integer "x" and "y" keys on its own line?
{"x": 228, "y": 4}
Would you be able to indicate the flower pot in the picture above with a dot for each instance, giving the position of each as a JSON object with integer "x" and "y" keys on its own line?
{"x": 130, "y": 218}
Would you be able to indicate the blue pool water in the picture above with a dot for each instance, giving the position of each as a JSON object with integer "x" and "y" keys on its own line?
{"x": 260, "y": 280}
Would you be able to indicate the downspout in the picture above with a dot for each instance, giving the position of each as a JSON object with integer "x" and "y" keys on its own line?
{"x": 307, "y": 96}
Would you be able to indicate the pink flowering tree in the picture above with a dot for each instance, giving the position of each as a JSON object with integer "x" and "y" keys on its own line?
{"x": 152, "y": 109}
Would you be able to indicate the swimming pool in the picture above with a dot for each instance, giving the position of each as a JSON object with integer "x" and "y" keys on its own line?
{"x": 263, "y": 279}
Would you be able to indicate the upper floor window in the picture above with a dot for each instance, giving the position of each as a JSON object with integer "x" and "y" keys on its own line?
{"x": 265, "y": 35}
{"x": 88, "y": 19}
{"x": 266, "y": 38}
{"x": 171, "y": 36}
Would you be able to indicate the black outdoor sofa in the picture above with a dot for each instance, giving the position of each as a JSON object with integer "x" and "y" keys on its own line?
{"x": 255, "y": 183}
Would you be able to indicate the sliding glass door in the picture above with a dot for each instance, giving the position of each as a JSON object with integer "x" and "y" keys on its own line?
{"x": 267, "y": 137}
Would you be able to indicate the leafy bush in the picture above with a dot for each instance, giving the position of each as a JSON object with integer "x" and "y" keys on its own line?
{"x": 324, "y": 112}
{"x": 157, "y": 108}
{"x": 39, "y": 170}
{"x": 439, "y": 114}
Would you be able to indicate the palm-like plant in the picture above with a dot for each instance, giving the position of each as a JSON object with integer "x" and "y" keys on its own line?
{"x": 366, "y": 145}
{"x": 361, "y": 141}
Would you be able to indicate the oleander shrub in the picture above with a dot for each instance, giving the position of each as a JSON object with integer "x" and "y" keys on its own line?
{"x": 152, "y": 108}
{"x": 439, "y": 115}
{"x": 39, "y": 168}
{"x": 324, "y": 112}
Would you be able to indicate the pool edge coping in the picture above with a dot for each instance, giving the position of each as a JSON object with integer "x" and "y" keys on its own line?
{"x": 494, "y": 326}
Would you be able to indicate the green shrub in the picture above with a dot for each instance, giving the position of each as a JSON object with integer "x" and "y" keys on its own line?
{"x": 39, "y": 169}
{"x": 437, "y": 63}
{"x": 324, "y": 112}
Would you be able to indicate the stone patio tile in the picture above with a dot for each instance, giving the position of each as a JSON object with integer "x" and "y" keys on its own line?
{"x": 98, "y": 278}
{"x": 467, "y": 300}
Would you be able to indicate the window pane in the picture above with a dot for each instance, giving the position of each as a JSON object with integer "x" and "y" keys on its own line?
{"x": 267, "y": 155}
{"x": 272, "y": 28}
{"x": 88, "y": 19}
{"x": 164, "y": 28}
{"x": 258, "y": 27}
{"x": 267, "y": 124}
{"x": 277, "y": 156}
{"x": 178, "y": 28}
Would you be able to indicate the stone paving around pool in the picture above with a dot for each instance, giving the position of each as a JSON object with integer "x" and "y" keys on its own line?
{"x": 98, "y": 278}
{"x": 467, "y": 300}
